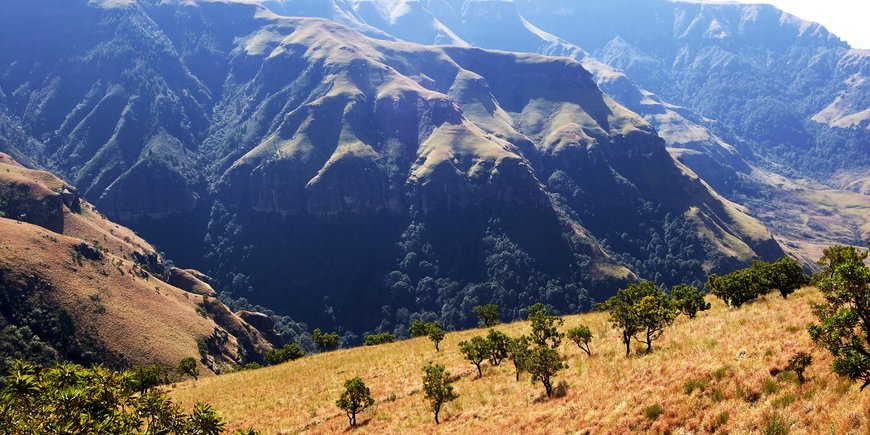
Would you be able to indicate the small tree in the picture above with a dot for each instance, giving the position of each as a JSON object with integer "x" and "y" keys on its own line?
{"x": 436, "y": 334}
{"x": 844, "y": 318}
{"x": 438, "y": 387}
{"x": 654, "y": 313}
{"x": 736, "y": 288}
{"x": 785, "y": 275}
{"x": 325, "y": 341}
{"x": 518, "y": 353}
{"x": 689, "y": 300}
{"x": 582, "y": 336}
{"x": 623, "y": 315}
{"x": 376, "y": 339}
{"x": 281, "y": 355}
{"x": 187, "y": 367}
{"x": 545, "y": 328}
{"x": 498, "y": 346}
{"x": 476, "y": 350}
{"x": 799, "y": 363}
{"x": 418, "y": 328}
{"x": 488, "y": 315}
{"x": 144, "y": 378}
{"x": 543, "y": 363}
{"x": 355, "y": 398}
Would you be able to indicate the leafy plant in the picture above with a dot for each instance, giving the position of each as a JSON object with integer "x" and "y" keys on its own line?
{"x": 436, "y": 334}
{"x": 187, "y": 367}
{"x": 355, "y": 398}
{"x": 324, "y": 341}
{"x": 380, "y": 338}
{"x": 689, "y": 300}
{"x": 438, "y": 387}
{"x": 581, "y": 336}
{"x": 545, "y": 330}
{"x": 488, "y": 315}
{"x": 799, "y": 363}
{"x": 476, "y": 350}
{"x": 542, "y": 364}
{"x": 518, "y": 353}
{"x": 498, "y": 346}
{"x": 289, "y": 352}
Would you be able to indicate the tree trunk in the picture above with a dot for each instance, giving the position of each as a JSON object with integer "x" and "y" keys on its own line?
{"x": 648, "y": 342}
{"x": 436, "y": 347}
{"x": 627, "y": 346}
{"x": 548, "y": 388}
{"x": 437, "y": 411}
{"x": 479, "y": 371}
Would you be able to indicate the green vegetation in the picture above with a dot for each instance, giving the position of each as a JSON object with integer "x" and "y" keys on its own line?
{"x": 744, "y": 285}
{"x": 689, "y": 300}
{"x": 289, "y": 352}
{"x": 144, "y": 378}
{"x": 418, "y": 328}
{"x": 488, "y": 315}
{"x": 843, "y": 326}
{"x": 799, "y": 363}
{"x": 581, "y": 336}
{"x": 355, "y": 399}
{"x": 438, "y": 388}
{"x": 518, "y": 353}
{"x": 436, "y": 334}
{"x": 68, "y": 398}
{"x": 380, "y": 338}
{"x": 545, "y": 328}
{"x": 498, "y": 346}
{"x": 641, "y": 308}
{"x": 476, "y": 350}
{"x": 187, "y": 367}
{"x": 542, "y": 364}
{"x": 324, "y": 341}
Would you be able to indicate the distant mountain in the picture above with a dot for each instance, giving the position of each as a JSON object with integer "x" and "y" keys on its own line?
{"x": 76, "y": 286}
{"x": 356, "y": 181}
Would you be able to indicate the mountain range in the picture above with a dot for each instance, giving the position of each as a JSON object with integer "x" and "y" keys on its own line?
{"x": 360, "y": 164}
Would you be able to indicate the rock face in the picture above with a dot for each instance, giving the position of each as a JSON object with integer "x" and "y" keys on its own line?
{"x": 188, "y": 282}
{"x": 314, "y": 166}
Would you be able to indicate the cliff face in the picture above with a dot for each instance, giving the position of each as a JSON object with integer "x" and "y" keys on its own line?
{"x": 314, "y": 166}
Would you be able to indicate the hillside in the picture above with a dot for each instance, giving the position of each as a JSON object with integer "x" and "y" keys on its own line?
{"x": 76, "y": 286}
{"x": 710, "y": 373}
{"x": 357, "y": 182}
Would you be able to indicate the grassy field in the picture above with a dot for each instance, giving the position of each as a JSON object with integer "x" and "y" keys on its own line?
{"x": 708, "y": 374}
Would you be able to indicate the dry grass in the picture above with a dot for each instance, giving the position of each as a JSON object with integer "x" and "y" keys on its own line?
{"x": 711, "y": 373}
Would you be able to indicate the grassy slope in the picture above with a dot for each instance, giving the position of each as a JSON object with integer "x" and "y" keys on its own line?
{"x": 607, "y": 392}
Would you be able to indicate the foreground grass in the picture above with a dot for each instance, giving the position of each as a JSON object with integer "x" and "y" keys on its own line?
{"x": 708, "y": 374}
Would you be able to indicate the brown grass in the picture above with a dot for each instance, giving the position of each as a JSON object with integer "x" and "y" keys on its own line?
{"x": 723, "y": 359}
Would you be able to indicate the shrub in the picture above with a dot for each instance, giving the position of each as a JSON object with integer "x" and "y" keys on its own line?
{"x": 476, "y": 350}
{"x": 653, "y": 412}
{"x": 582, "y": 336}
{"x": 436, "y": 334}
{"x": 545, "y": 330}
{"x": 418, "y": 328}
{"x": 518, "y": 353}
{"x": 488, "y": 315}
{"x": 736, "y": 288}
{"x": 144, "y": 378}
{"x": 498, "y": 350}
{"x": 689, "y": 300}
{"x": 843, "y": 319}
{"x": 641, "y": 308}
{"x": 355, "y": 398}
{"x": 324, "y": 341}
{"x": 376, "y": 339}
{"x": 187, "y": 367}
{"x": 785, "y": 275}
{"x": 799, "y": 363}
{"x": 437, "y": 387}
{"x": 694, "y": 384}
{"x": 289, "y": 352}
{"x": 774, "y": 424}
{"x": 542, "y": 364}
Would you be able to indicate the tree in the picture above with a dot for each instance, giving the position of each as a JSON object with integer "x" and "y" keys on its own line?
{"x": 325, "y": 342}
{"x": 488, "y": 315}
{"x": 68, "y": 398}
{"x": 476, "y": 350}
{"x": 436, "y": 334}
{"x": 689, "y": 300}
{"x": 438, "y": 387}
{"x": 543, "y": 363}
{"x": 355, "y": 398}
{"x": 582, "y": 336}
{"x": 281, "y": 355}
{"x": 418, "y": 328}
{"x": 518, "y": 353}
{"x": 736, "y": 288}
{"x": 545, "y": 330}
{"x": 799, "y": 363}
{"x": 654, "y": 313}
{"x": 785, "y": 275}
{"x": 187, "y": 367}
{"x": 843, "y": 326}
{"x": 144, "y": 378}
{"x": 623, "y": 312}
{"x": 498, "y": 346}
{"x": 376, "y": 339}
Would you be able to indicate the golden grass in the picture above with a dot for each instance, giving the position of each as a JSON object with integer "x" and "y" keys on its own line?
{"x": 724, "y": 357}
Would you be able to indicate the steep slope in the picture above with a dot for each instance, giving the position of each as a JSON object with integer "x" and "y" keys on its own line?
{"x": 359, "y": 182}
{"x": 79, "y": 287}
{"x": 710, "y": 374}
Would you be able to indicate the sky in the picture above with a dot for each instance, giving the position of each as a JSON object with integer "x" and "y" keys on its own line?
{"x": 848, "y": 19}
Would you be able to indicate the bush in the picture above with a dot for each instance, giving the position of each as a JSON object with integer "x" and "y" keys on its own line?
{"x": 736, "y": 288}
{"x": 145, "y": 378}
{"x": 324, "y": 341}
{"x": 582, "y": 336}
{"x": 476, "y": 350}
{"x": 518, "y": 353}
{"x": 355, "y": 398}
{"x": 689, "y": 300}
{"x": 542, "y": 364}
{"x": 774, "y": 424}
{"x": 187, "y": 367}
{"x": 71, "y": 399}
{"x": 488, "y": 315}
{"x": 437, "y": 387}
{"x": 653, "y": 412}
{"x": 436, "y": 334}
{"x": 785, "y": 275}
{"x": 498, "y": 346}
{"x": 799, "y": 363}
{"x": 641, "y": 308}
{"x": 289, "y": 352}
{"x": 545, "y": 330}
{"x": 418, "y": 328}
{"x": 376, "y": 339}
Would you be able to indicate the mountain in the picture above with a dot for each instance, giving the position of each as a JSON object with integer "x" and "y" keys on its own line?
{"x": 355, "y": 181}
{"x": 76, "y": 286}
{"x": 710, "y": 374}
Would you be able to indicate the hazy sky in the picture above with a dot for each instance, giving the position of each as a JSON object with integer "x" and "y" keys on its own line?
{"x": 848, "y": 19}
